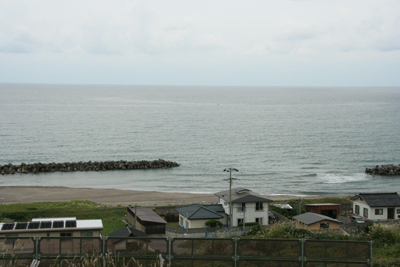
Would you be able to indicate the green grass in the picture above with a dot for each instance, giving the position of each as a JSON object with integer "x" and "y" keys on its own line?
{"x": 173, "y": 224}
{"x": 81, "y": 209}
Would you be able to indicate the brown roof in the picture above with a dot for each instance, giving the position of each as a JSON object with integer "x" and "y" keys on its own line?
{"x": 146, "y": 215}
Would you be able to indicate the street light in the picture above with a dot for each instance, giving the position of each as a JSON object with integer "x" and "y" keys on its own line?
{"x": 230, "y": 191}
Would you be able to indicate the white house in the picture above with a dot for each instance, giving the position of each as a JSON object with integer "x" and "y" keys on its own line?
{"x": 377, "y": 206}
{"x": 247, "y": 206}
{"x": 196, "y": 215}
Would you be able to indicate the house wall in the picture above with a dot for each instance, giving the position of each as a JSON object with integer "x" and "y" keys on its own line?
{"x": 196, "y": 223}
{"x": 250, "y": 212}
{"x": 52, "y": 246}
{"x": 317, "y": 226}
{"x": 131, "y": 220}
{"x": 371, "y": 211}
{"x": 96, "y": 233}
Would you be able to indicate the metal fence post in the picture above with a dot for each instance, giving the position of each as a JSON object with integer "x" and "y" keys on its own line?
{"x": 103, "y": 249}
{"x": 170, "y": 249}
{"x": 302, "y": 241}
{"x": 370, "y": 253}
{"x": 236, "y": 257}
{"x": 37, "y": 238}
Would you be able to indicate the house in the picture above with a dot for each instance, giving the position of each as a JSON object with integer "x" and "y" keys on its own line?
{"x": 247, "y": 206}
{"x": 146, "y": 220}
{"x": 314, "y": 221}
{"x": 196, "y": 215}
{"x": 50, "y": 230}
{"x": 117, "y": 242}
{"x": 377, "y": 206}
{"x": 327, "y": 209}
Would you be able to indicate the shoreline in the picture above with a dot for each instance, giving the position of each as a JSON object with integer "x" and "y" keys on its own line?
{"x": 114, "y": 197}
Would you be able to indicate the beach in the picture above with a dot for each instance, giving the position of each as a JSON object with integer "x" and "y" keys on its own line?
{"x": 30, "y": 194}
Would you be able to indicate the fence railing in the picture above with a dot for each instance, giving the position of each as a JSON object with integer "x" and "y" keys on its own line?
{"x": 192, "y": 251}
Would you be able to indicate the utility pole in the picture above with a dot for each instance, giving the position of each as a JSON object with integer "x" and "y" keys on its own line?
{"x": 230, "y": 191}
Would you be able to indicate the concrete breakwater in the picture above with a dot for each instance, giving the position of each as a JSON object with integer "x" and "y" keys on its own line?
{"x": 389, "y": 169}
{"x": 85, "y": 166}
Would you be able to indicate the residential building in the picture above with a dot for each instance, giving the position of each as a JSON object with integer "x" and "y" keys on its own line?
{"x": 247, "y": 206}
{"x": 50, "y": 230}
{"x": 377, "y": 206}
{"x": 196, "y": 215}
{"x": 146, "y": 220}
{"x": 118, "y": 241}
{"x": 327, "y": 209}
{"x": 314, "y": 221}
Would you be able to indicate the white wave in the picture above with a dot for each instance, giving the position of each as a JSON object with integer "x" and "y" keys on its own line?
{"x": 338, "y": 178}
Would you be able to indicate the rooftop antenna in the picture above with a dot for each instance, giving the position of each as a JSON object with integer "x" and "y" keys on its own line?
{"x": 230, "y": 191}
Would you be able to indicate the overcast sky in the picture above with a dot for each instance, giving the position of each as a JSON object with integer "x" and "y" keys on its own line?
{"x": 201, "y": 42}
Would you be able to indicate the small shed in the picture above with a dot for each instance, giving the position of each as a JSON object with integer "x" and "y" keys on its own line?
{"x": 314, "y": 221}
{"x": 146, "y": 220}
{"x": 327, "y": 209}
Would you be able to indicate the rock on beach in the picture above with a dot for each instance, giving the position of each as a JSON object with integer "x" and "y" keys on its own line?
{"x": 389, "y": 169}
{"x": 85, "y": 166}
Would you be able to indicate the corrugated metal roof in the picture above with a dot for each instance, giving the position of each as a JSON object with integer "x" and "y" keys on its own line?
{"x": 311, "y": 218}
{"x": 89, "y": 224}
{"x": 147, "y": 215}
{"x": 322, "y": 204}
{"x": 54, "y": 219}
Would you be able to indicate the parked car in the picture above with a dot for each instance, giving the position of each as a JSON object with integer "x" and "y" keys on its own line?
{"x": 357, "y": 219}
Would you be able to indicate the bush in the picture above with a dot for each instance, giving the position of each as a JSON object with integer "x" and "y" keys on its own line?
{"x": 249, "y": 224}
{"x": 214, "y": 223}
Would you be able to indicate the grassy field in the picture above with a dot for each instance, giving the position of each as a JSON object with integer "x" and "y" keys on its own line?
{"x": 111, "y": 216}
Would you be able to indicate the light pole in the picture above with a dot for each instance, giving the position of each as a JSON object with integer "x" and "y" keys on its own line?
{"x": 230, "y": 191}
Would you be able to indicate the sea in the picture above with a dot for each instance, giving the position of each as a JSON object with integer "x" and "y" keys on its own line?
{"x": 282, "y": 140}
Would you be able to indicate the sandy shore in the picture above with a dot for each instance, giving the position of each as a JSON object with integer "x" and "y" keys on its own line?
{"x": 29, "y": 194}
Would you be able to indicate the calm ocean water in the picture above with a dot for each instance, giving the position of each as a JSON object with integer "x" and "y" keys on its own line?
{"x": 283, "y": 140}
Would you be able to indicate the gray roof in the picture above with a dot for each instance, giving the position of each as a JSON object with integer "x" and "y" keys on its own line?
{"x": 127, "y": 232}
{"x": 201, "y": 212}
{"x": 380, "y": 199}
{"x": 147, "y": 215}
{"x": 240, "y": 195}
{"x": 311, "y": 218}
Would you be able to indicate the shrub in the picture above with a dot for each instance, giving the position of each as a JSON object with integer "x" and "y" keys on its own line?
{"x": 214, "y": 223}
{"x": 249, "y": 224}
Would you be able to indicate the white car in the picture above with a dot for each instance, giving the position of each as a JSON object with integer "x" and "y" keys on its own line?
{"x": 357, "y": 219}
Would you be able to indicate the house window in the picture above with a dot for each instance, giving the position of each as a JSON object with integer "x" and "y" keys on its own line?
{"x": 240, "y": 220}
{"x": 398, "y": 211}
{"x": 180, "y": 221}
{"x": 241, "y": 207}
{"x": 357, "y": 211}
{"x": 365, "y": 213}
{"x": 324, "y": 225}
{"x": 378, "y": 211}
{"x": 68, "y": 234}
{"x": 259, "y": 206}
{"x": 87, "y": 234}
{"x": 259, "y": 220}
